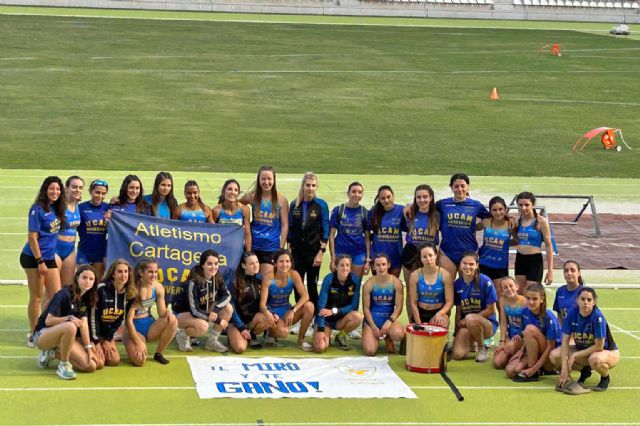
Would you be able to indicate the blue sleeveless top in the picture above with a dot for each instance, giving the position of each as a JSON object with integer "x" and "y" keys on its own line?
{"x": 530, "y": 235}
{"x": 514, "y": 319}
{"x": 382, "y": 300}
{"x": 71, "y": 223}
{"x": 147, "y": 304}
{"x": 236, "y": 218}
{"x": 432, "y": 294}
{"x": 192, "y": 215}
{"x": 279, "y": 296}
{"x": 162, "y": 207}
{"x": 265, "y": 227}
{"x": 494, "y": 252}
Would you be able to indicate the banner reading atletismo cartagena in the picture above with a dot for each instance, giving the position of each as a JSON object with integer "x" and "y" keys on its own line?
{"x": 176, "y": 245}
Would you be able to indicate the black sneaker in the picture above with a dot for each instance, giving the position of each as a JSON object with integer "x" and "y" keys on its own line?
{"x": 195, "y": 341}
{"x": 523, "y": 378}
{"x": 603, "y": 385}
{"x": 160, "y": 358}
{"x": 585, "y": 373}
{"x": 255, "y": 344}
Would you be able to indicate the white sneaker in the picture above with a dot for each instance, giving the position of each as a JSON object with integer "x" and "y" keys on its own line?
{"x": 304, "y": 346}
{"x": 213, "y": 344}
{"x": 309, "y": 332}
{"x": 295, "y": 329}
{"x": 65, "y": 371}
{"x": 45, "y": 358}
{"x": 184, "y": 341}
{"x": 488, "y": 342}
{"x": 117, "y": 336}
{"x": 483, "y": 354}
{"x": 30, "y": 341}
{"x": 355, "y": 334}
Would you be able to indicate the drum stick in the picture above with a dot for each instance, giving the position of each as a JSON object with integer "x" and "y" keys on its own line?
{"x": 448, "y": 381}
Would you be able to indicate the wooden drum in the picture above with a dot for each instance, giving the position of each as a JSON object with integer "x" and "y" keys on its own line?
{"x": 425, "y": 348}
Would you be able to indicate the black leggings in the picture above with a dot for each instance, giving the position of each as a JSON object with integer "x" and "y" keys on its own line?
{"x": 303, "y": 264}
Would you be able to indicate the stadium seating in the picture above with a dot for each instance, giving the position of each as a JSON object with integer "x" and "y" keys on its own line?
{"x": 592, "y": 4}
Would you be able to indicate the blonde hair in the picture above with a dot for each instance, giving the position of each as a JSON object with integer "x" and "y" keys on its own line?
{"x": 307, "y": 176}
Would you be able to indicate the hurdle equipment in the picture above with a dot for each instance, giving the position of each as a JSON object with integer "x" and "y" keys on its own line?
{"x": 589, "y": 202}
{"x": 608, "y": 139}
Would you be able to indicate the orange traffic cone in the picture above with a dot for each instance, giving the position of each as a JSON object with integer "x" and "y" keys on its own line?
{"x": 494, "y": 94}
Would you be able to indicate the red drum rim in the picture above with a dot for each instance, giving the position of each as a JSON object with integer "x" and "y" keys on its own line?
{"x": 422, "y": 369}
{"x": 427, "y": 330}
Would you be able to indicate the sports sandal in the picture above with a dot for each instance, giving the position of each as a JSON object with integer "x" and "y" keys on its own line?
{"x": 574, "y": 388}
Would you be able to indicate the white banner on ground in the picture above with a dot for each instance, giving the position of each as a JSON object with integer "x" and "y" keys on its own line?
{"x": 347, "y": 377}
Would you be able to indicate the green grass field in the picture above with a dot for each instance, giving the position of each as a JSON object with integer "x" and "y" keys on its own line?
{"x": 157, "y": 394}
{"x": 397, "y": 101}
{"x": 120, "y": 94}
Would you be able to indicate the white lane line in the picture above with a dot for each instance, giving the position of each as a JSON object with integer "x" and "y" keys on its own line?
{"x": 621, "y": 330}
{"x": 606, "y": 57}
{"x": 572, "y": 101}
{"x": 17, "y": 59}
{"x": 373, "y": 72}
{"x": 361, "y": 424}
{"x": 11, "y": 233}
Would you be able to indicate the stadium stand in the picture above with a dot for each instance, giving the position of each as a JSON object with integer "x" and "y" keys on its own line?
{"x": 627, "y": 12}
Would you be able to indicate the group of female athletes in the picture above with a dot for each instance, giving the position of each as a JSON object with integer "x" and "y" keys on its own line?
{"x": 76, "y": 307}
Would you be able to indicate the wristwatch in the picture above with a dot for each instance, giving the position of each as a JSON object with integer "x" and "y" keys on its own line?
{"x": 334, "y": 311}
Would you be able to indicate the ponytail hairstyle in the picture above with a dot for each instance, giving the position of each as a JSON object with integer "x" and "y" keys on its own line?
{"x": 340, "y": 257}
{"x": 67, "y": 183}
{"x": 430, "y": 246}
{"x": 476, "y": 274}
{"x": 336, "y": 262}
{"x": 580, "y": 280}
{"x": 134, "y": 291}
{"x": 524, "y": 196}
{"x": 434, "y": 220}
{"x": 497, "y": 200}
{"x": 141, "y": 205}
{"x": 537, "y": 288}
{"x": 352, "y": 184}
{"x": 197, "y": 272}
{"x": 190, "y": 183}
{"x": 221, "y": 198}
{"x": 170, "y": 198}
{"x": 278, "y": 254}
{"x": 59, "y": 206}
{"x": 590, "y": 290}
{"x": 240, "y": 280}
{"x": 307, "y": 176}
{"x": 377, "y": 211}
{"x": 384, "y": 255}
{"x": 90, "y": 297}
{"x": 256, "y": 190}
